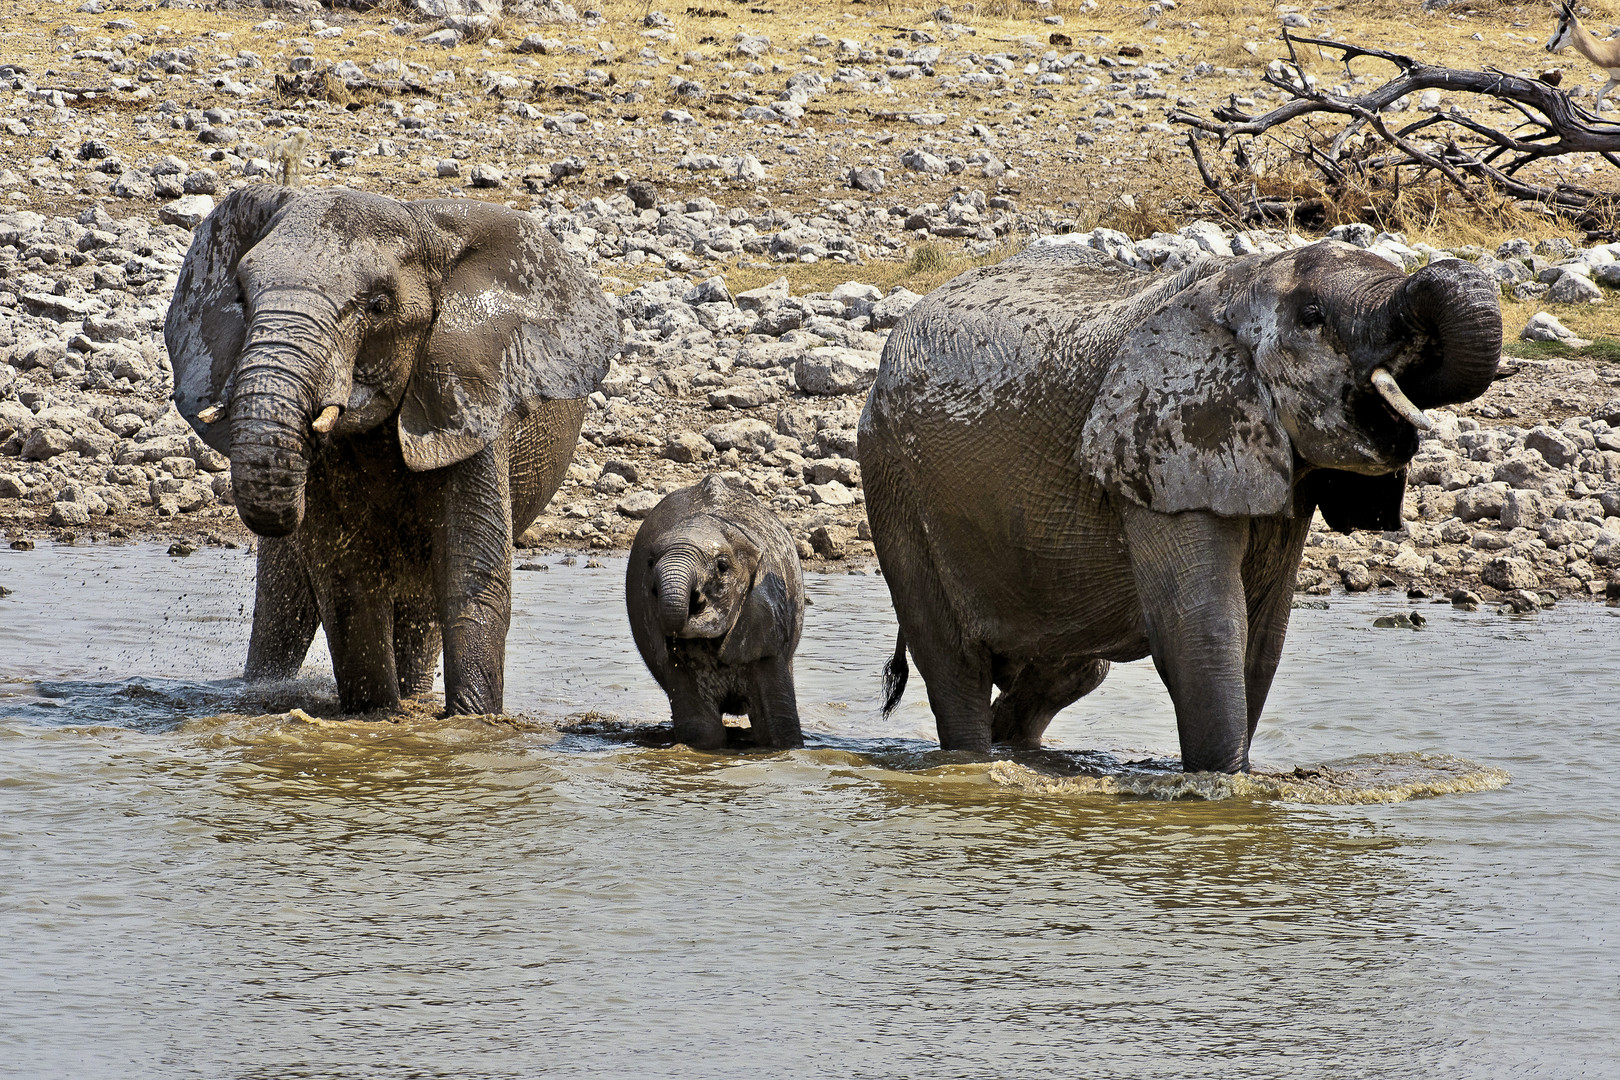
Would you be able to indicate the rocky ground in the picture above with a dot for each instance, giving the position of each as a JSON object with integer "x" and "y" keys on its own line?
{"x": 765, "y": 200}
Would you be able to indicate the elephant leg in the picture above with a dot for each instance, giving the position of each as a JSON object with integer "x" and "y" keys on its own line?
{"x": 697, "y": 718}
{"x": 773, "y": 707}
{"x": 285, "y": 615}
{"x": 1188, "y": 571}
{"x": 472, "y": 576}
{"x": 417, "y": 645}
{"x": 958, "y": 685}
{"x": 956, "y": 673}
{"x": 1023, "y": 710}
{"x": 1269, "y": 572}
{"x": 359, "y": 626}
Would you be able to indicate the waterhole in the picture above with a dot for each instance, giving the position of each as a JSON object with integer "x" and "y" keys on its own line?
{"x": 203, "y": 878}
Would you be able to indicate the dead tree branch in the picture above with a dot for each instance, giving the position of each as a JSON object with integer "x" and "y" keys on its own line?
{"x": 1470, "y": 155}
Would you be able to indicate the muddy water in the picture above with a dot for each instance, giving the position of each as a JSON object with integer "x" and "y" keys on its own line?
{"x": 199, "y": 879}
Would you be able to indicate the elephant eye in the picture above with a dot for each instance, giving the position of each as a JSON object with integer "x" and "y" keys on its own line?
{"x": 377, "y": 305}
{"x": 722, "y": 564}
{"x": 1311, "y": 315}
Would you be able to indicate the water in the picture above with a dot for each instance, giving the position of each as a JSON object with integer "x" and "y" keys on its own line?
{"x": 200, "y": 881}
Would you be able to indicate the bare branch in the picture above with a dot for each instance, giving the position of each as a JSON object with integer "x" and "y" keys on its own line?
{"x": 1468, "y": 152}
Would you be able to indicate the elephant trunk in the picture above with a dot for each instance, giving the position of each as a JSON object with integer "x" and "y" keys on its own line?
{"x": 281, "y": 382}
{"x": 677, "y": 576}
{"x": 1455, "y": 308}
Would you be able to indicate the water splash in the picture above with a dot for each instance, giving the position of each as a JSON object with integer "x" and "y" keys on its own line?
{"x": 1368, "y": 778}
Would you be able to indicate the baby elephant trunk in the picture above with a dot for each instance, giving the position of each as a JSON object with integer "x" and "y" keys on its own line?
{"x": 679, "y": 576}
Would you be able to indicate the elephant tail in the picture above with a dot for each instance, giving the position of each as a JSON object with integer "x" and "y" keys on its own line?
{"x": 895, "y": 673}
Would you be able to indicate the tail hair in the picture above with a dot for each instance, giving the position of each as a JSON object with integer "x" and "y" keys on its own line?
{"x": 895, "y": 673}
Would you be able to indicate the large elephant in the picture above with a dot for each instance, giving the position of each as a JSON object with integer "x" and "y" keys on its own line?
{"x": 715, "y": 595}
{"x": 1067, "y": 464}
{"x": 399, "y": 388}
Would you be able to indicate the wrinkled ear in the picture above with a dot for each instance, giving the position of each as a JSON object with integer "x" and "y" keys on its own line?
{"x": 517, "y": 318}
{"x": 1355, "y": 501}
{"x": 648, "y": 635}
{"x": 206, "y": 323}
{"x": 1182, "y": 420}
{"x": 765, "y": 623}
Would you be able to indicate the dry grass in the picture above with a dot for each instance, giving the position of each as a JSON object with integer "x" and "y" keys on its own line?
{"x": 1155, "y": 173}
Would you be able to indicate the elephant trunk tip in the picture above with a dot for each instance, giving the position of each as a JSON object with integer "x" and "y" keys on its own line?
{"x": 268, "y": 509}
{"x": 674, "y": 588}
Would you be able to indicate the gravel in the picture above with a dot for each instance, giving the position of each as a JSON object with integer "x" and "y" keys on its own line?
{"x": 1521, "y": 487}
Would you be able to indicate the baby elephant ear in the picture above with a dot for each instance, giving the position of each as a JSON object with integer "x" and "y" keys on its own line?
{"x": 206, "y": 323}
{"x": 764, "y": 627}
{"x": 1182, "y": 420}
{"x": 516, "y": 319}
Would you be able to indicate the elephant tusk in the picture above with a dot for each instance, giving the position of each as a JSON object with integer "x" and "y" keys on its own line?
{"x": 1390, "y": 391}
{"x": 212, "y": 413}
{"x": 329, "y": 418}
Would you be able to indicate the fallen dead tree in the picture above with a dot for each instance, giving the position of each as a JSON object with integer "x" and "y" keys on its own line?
{"x": 1359, "y": 148}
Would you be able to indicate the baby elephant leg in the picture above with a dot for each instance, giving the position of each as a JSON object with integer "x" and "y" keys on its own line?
{"x": 696, "y": 715}
{"x": 773, "y": 708}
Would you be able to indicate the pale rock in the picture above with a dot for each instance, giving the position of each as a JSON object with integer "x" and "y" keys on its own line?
{"x": 69, "y": 514}
{"x": 1509, "y": 574}
{"x": 1522, "y": 509}
{"x": 833, "y": 370}
{"x": 1574, "y": 288}
{"x": 832, "y": 493}
{"x": 638, "y": 504}
{"x": 888, "y": 311}
{"x": 187, "y": 211}
{"x": 1481, "y": 501}
{"x": 1544, "y": 327}
{"x": 688, "y": 448}
{"x": 743, "y": 434}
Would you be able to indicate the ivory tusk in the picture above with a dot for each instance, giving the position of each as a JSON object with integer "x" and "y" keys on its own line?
{"x": 329, "y": 417}
{"x": 212, "y": 413}
{"x": 1390, "y": 391}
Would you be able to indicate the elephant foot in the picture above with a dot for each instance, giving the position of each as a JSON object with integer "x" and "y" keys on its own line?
{"x": 472, "y": 698}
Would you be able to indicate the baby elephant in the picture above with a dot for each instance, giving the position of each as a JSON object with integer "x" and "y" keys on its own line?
{"x": 716, "y": 601}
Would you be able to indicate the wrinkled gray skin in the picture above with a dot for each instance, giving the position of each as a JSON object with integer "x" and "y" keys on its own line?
{"x": 1067, "y": 465}
{"x": 716, "y": 601}
{"x": 459, "y": 342}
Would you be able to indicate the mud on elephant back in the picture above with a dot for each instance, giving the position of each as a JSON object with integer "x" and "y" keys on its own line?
{"x": 1068, "y": 464}
{"x": 399, "y": 388}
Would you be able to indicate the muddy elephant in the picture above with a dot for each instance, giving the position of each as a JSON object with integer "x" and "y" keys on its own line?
{"x": 1067, "y": 464}
{"x": 399, "y": 388}
{"x": 715, "y": 595}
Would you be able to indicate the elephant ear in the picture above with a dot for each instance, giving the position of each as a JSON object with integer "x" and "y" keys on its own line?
{"x": 1182, "y": 421}
{"x": 1351, "y": 501}
{"x": 517, "y": 319}
{"x": 206, "y": 323}
{"x": 765, "y": 623}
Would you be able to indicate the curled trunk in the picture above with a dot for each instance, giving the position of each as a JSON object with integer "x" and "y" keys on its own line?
{"x": 1455, "y": 307}
{"x": 677, "y": 574}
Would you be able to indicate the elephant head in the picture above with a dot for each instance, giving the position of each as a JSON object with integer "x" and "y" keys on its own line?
{"x": 303, "y": 316}
{"x": 1311, "y": 365}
